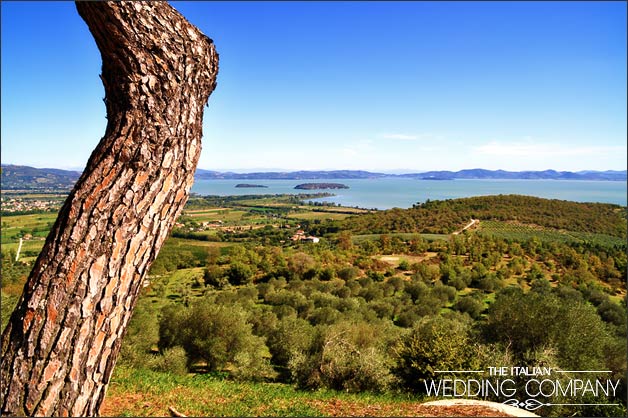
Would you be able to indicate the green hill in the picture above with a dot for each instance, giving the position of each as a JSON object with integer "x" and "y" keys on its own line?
{"x": 447, "y": 216}
{"x": 17, "y": 177}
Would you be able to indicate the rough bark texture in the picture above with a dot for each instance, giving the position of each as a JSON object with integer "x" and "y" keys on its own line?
{"x": 62, "y": 341}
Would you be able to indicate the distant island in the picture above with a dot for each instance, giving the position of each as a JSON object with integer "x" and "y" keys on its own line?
{"x": 320, "y": 186}
{"x": 247, "y": 185}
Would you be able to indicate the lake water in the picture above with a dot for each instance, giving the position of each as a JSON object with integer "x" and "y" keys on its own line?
{"x": 386, "y": 193}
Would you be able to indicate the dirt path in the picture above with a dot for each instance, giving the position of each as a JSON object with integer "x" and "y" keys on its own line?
{"x": 444, "y": 408}
{"x": 469, "y": 225}
{"x": 510, "y": 411}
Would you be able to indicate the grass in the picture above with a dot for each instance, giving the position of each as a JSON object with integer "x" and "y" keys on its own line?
{"x": 185, "y": 280}
{"x": 138, "y": 392}
{"x": 9, "y": 300}
{"x": 184, "y": 242}
{"x": 30, "y": 249}
{"x": 218, "y": 214}
{"x": 14, "y": 226}
{"x": 271, "y": 201}
{"x": 331, "y": 209}
{"x": 318, "y": 215}
{"x": 395, "y": 259}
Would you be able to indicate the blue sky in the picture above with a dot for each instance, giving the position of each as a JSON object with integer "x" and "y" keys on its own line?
{"x": 380, "y": 86}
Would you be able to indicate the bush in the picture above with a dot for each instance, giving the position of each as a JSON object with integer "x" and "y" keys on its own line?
{"x": 325, "y": 315}
{"x": 349, "y": 356}
{"x": 532, "y": 321}
{"x": 348, "y": 273}
{"x": 239, "y": 273}
{"x": 613, "y": 313}
{"x": 172, "y": 360}
{"x": 404, "y": 265}
{"x": 407, "y": 317}
{"x": 141, "y": 336}
{"x": 215, "y": 276}
{"x": 218, "y": 337}
{"x": 435, "y": 343}
{"x": 292, "y": 336}
{"x": 470, "y": 306}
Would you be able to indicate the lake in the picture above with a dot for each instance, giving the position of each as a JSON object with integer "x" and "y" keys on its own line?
{"x": 386, "y": 193}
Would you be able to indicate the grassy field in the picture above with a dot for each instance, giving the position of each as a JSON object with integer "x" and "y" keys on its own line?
{"x": 15, "y": 226}
{"x": 318, "y": 215}
{"x": 30, "y": 249}
{"x": 218, "y": 214}
{"x": 174, "y": 287}
{"x": 135, "y": 392}
{"x": 333, "y": 209}
{"x": 182, "y": 242}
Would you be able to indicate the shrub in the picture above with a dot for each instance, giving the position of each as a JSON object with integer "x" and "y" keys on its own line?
{"x": 141, "y": 335}
{"x": 613, "y": 313}
{"x": 470, "y": 306}
{"x": 325, "y": 315}
{"x": 292, "y": 336}
{"x": 404, "y": 265}
{"x": 350, "y": 356}
{"x": 407, "y": 317}
{"x": 215, "y": 276}
{"x": 239, "y": 273}
{"x": 217, "y": 336}
{"x": 532, "y": 321}
{"x": 348, "y": 273}
{"x": 435, "y": 343}
{"x": 172, "y": 360}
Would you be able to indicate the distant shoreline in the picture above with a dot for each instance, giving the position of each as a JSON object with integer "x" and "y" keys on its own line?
{"x": 386, "y": 193}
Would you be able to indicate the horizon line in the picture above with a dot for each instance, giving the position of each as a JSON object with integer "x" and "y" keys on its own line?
{"x": 373, "y": 171}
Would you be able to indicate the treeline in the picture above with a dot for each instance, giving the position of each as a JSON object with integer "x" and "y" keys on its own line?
{"x": 202, "y": 202}
{"x": 6, "y": 213}
{"x": 446, "y": 216}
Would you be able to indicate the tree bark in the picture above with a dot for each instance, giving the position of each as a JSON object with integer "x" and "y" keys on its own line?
{"x": 62, "y": 341}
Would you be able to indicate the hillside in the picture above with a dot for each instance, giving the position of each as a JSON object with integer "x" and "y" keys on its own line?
{"x": 479, "y": 173}
{"x": 241, "y": 315}
{"x": 447, "y": 216}
{"x": 17, "y": 177}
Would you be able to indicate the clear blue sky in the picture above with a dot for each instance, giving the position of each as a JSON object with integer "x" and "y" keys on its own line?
{"x": 381, "y": 86}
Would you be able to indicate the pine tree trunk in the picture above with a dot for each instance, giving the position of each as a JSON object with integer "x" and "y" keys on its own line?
{"x": 62, "y": 341}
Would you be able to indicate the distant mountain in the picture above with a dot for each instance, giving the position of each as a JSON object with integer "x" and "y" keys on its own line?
{"x": 293, "y": 175}
{"x": 479, "y": 173}
{"x": 476, "y": 173}
{"x": 20, "y": 177}
{"x": 15, "y": 177}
